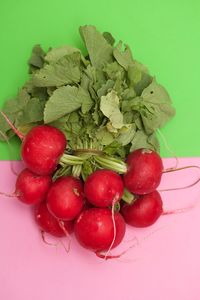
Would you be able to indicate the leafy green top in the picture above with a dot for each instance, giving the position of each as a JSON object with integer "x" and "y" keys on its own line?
{"x": 105, "y": 101}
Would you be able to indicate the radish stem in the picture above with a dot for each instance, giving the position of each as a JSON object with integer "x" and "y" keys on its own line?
{"x": 19, "y": 134}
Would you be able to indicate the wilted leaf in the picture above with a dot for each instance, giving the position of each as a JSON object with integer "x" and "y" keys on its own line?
{"x": 109, "y": 106}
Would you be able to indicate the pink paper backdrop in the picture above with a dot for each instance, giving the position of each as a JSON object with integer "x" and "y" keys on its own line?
{"x": 163, "y": 265}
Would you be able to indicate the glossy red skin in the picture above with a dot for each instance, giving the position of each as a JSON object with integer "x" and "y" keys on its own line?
{"x": 42, "y": 148}
{"x": 65, "y": 198}
{"x": 102, "y": 187}
{"x": 94, "y": 229}
{"x": 144, "y": 171}
{"x": 144, "y": 211}
{"x": 49, "y": 223}
{"x": 31, "y": 188}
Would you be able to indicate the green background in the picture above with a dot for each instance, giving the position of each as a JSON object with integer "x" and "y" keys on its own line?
{"x": 164, "y": 35}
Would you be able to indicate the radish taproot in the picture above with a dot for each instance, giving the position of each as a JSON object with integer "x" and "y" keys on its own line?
{"x": 65, "y": 198}
{"x": 103, "y": 188}
{"x": 50, "y": 224}
{"x": 31, "y": 188}
{"x": 94, "y": 229}
{"x": 144, "y": 211}
{"x": 144, "y": 173}
{"x": 42, "y": 148}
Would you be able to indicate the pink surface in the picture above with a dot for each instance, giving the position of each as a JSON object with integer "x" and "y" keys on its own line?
{"x": 164, "y": 264}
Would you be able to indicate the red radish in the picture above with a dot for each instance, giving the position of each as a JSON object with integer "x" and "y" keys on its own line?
{"x": 65, "y": 198}
{"x": 42, "y": 148}
{"x": 144, "y": 171}
{"x": 103, "y": 188}
{"x": 144, "y": 211}
{"x": 50, "y": 224}
{"x": 94, "y": 229}
{"x": 32, "y": 188}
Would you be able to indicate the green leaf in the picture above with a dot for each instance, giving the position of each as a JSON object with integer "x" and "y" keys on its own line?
{"x": 63, "y": 101}
{"x": 117, "y": 74}
{"x": 145, "y": 81}
{"x": 88, "y": 80}
{"x": 126, "y": 134}
{"x": 36, "y": 60}
{"x": 31, "y": 113}
{"x": 96, "y": 114}
{"x": 114, "y": 71}
{"x": 4, "y": 127}
{"x": 124, "y": 58}
{"x": 34, "y": 91}
{"x": 158, "y": 109}
{"x": 112, "y": 148}
{"x": 73, "y": 123}
{"x": 87, "y": 102}
{"x": 154, "y": 107}
{"x": 109, "y": 38}
{"x": 142, "y": 140}
{"x": 128, "y": 117}
{"x": 24, "y": 129}
{"x": 109, "y": 105}
{"x": 119, "y": 152}
{"x": 50, "y": 90}
{"x": 105, "y": 88}
{"x": 60, "y": 123}
{"x": 99, "y": 50}
{"x": 56, "y": 54}
{"x": 128, "y": 93}
{"x": 100, "y": 79}
{"x": 64, "y": 71}
{"x": 134, "y": 75}
{"x": 131, "y": 104}
{"x": 104, "y": 136}
{"x": 12, "y": 108}
{"x": 137, "y": 73}
{"x": 85, "y": 82}
{"x": 138, "y": 77}
{"x": 138, "y": 121}
{"x": 87, "y": 169}
{"x": 90, "y": 71}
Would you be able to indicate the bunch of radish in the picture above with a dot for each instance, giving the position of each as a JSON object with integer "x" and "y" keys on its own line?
{"x": 81, "y": 175}
{"x": 93, "y": 209}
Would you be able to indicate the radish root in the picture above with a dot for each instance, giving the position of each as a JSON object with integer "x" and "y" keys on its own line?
{"x": 9, "y": 195}
{"x": 178, "y": 210}
{"x": 184, "y": 187}
{"x": 19, "y": 134}
{"x": 68, "y": 247}
{"x": 114, "y": 227}
{"x": 45, "y": 241}
{"x": 168, "y": 148}
{"x": 43, "y": 234}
